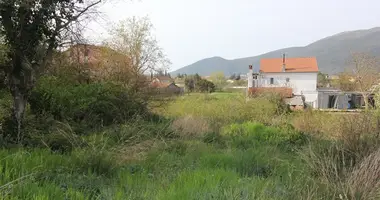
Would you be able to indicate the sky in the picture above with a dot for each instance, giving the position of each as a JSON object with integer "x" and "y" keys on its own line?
{"x": 191, "y": 30}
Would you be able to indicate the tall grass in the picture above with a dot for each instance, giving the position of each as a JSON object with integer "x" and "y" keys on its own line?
{"x": 214, "y": 146}
{"x": 221, "y": 109}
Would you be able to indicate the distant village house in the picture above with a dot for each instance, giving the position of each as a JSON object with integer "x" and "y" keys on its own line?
{"x": 165, "y": 85}
{"x": 295, "y": 79}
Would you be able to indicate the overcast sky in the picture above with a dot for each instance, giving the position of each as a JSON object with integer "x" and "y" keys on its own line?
{"x": 190, "y": 30}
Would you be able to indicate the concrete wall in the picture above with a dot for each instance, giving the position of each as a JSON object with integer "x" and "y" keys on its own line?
{"x": 323, "y": 100}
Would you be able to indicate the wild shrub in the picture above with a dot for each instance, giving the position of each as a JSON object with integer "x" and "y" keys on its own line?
{"x": 88, "y": 105}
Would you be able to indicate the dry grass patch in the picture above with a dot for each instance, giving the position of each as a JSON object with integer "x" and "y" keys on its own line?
{"x": 136, "y": 152}
{"x": 335, "y": 125}
{"x": 364, "y": 183}
{"x": 190, "y": 126}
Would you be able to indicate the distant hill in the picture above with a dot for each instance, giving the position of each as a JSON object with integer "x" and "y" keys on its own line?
{"x": 332, "y": 54}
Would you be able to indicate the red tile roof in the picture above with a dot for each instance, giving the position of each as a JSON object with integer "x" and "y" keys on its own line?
{"x": 96, "y": 54}
{"x": 308, "y": 64}
{"x": 160, "y": 85}
{"x": 164, "y": 78}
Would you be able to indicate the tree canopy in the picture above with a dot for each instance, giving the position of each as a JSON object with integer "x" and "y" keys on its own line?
{"x": 32, "y": 30}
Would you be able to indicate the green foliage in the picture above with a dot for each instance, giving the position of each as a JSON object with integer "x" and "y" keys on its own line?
{"x": 196, "y": 83}
{"x": 93, "y": 105}
{"x": 322, "y": 80}
{"x": 251, "y": 134}
{"x": 3, "y": 62}
{"x": 140, "y": 159}
{"x": 220, "y": 109}
{"x": 189, "y": 84}
{"x": 200, "y": 184}
{"x": 219, "y": 80}
{"x": 40, "y": 31}
{"x": 345, "y": 82}
{"x": 5, "y": 104}
{"x": 80, "y": 175}
{"x": 204, "y": 85}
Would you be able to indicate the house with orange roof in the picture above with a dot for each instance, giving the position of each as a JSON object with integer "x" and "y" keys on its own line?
{"x": 291, "y": 76}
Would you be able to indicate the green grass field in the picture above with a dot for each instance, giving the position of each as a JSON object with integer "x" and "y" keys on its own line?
{"x": 214, "y": 146}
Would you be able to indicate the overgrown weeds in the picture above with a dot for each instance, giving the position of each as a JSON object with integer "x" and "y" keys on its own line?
{"x": 213, "y": 146}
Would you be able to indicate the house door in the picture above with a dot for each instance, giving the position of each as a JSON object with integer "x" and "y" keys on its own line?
{"x": 331, "y": 103}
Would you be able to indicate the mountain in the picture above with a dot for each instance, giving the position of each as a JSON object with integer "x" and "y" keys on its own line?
{"x": 332, "y": 54}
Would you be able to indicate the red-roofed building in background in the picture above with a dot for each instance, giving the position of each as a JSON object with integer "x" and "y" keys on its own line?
{"x": 165, "y": 85}
{"x": 296, "y": 76}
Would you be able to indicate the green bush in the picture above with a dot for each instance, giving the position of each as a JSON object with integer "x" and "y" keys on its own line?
{"x": 204, "y": 85}
{"x": 89, "y": 105}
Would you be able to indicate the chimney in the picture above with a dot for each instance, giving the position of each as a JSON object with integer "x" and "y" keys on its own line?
{"x": 250, "y": 69}
{"x": 250, "y": 77}
{"x": 283, "y": 63}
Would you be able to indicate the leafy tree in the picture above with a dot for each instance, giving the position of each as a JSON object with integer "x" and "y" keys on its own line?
{"x": 233, "y": 77}
{"x": 3, "y": 61}
{"x": 238, "y": 77}
{"x": 322, "y": 80}
{"x": 364, "y": 74}
{"x": 189, "y": 84}
{"x": 344, "y": 82}
{"x": 197, "y": 77}
{"x": 134, "y": 39}
{"x": 33, "y": 29}
{"x": 219, "y": 79}
{"x": 205, "y": 86}
{"x": 240, "y": 83}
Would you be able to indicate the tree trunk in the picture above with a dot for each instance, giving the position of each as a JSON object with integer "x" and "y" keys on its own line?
{"x": 19, "y": 106}
{"x": 21, "y": 82}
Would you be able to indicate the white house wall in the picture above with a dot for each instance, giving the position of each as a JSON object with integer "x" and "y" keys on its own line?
{"x": 301, "y": 83}
{"x": 311, "y": 98}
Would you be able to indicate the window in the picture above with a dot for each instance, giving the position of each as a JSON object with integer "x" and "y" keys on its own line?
{"x": 287, "y": 80}
{"x": 271, "y": 81}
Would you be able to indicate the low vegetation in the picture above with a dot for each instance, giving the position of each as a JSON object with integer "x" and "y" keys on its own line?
{"x": 202, "y": 146}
